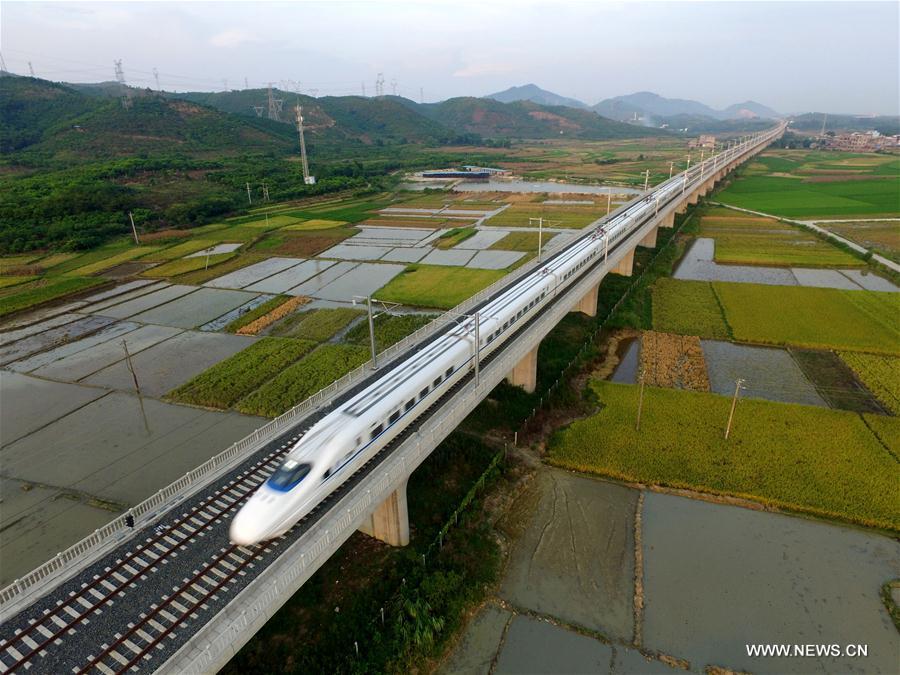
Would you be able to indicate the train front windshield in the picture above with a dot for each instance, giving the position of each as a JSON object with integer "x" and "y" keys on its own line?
{"x": 288, "y": 475}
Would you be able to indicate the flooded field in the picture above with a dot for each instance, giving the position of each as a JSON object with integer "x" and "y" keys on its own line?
{"x": 713, "y": 578}
{"x": 698, "y": 264}
{"x": 628, "y": 351}
{"x": 768, "y": 372}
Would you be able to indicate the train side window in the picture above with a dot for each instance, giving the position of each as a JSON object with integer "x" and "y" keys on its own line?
{"x": 394, "y": 417}
{"x": 449, "y": 372}
{"x": 409, "y": 404}
{"x": 437, "y": 381}
{"x": 377, "y": 430}
{"x": 358, "y": 441}
{"x": 423, "y": 393}
{"x": 505, "y": 325}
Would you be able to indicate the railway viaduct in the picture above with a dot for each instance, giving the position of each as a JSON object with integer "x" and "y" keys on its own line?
{"x": 161, "y": 589}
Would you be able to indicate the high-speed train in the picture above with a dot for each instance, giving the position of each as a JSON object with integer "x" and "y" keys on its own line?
{"x": 336, "y": 446}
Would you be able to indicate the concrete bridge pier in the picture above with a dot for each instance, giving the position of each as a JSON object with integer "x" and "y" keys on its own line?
{"x": 524, "y": 373}
{"x": 649, "y": 240}
{"x": 389, "y": 522}
{"x": 588, "y": 304}
{"x": 668, "y": 220}
{"x": 625, "y": 265}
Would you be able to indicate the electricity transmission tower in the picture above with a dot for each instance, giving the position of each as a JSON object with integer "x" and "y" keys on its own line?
{"x": 275, "y": 105}
{"x": 31, "y": 69}
{"x": 156, "y": 77}
{"x": 394, "y": 87}
{"x": 379, "y": 85}
{"x": 120, "y": 78}
{"x": 307, "y": 179}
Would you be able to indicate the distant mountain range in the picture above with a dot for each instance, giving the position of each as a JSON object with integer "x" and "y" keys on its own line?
{"x": 649, "y": 105}
{"x": 533, "y": 93}
{"x": 644, "y": 107}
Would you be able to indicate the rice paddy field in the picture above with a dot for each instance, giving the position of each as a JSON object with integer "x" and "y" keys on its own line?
{"x": 880, "y": 236}
{"x": 620, "y": 162}
{"x": 880, "y": 374}
{"x": 299, "y": 381}
{"x": 555, "y": 216}
{"x": 681, "y": 444}
{"x": 438, "y": 287}
{"x": 819, "y": 318}
{"x": 817, "y": 184}
{"x": 801, "y": 316}
{"x": 744, "y": 239}
{"x": 688, "y": 308}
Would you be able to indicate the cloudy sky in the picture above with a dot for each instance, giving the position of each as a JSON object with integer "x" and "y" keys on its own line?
{"x": 795, "y": 57}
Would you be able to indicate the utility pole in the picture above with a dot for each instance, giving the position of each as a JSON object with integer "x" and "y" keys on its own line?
{"x": 137, "y": 386}
{"x": 31, "y": 69}
{"x": 608, "y": 200}
{"x": 478, "y": 348}
{"x": 701, "y": 164}
{"x": 540, "y": 222}
{"x": 133, "y": 229}
{"x": 637, "y": 424}
{"x": 307, "y": 179}
{"x": 646, "y": 179}
{"x": 249, "y": 198}
{"x": 671, "y": 168}
{"x": 738, "y": 385}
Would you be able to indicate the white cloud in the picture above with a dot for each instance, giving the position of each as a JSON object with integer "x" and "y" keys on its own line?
{"x": 232, "y": 38}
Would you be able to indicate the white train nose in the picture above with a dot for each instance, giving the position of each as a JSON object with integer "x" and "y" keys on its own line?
{"x": 244, "y": 531}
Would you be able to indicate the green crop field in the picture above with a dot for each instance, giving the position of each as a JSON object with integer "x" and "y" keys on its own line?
{"x": 433, "y": 286}
{"x": 201, "y": 276}
{"x": 6, "y": 282}
{"x": 819, "y": 318}
{"x": 304, "y": 378}
{"x": 185, "y": 265}
{"x": 271, "y": 222}
{"x": 804, "y": 458}
{"x": 113, "y": 260}
{"x": 801, "y": 316}
{"x": 314, "y": 224}
{"x": 749, "y": 240}
{"x": 688, "y": 308}
{"x": 258, "y": 311}
{"x": 318, "y": 325}
{"x": 15, "y": 298}
{"x": 522, "y": 241}
{"x": 227, "y": 382}
{"x": 880, "y": 374}
{"x": 180, "y": 250}
{"x": 518, "y": 215}
{"x": 804, "y": 185}
{"x": 453, "y": 237}
{"x": 880, "y": 236}
{"x": 388, "y": 329}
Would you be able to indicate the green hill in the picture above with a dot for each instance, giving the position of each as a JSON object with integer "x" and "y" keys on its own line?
{"x": 527, "y": 120}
